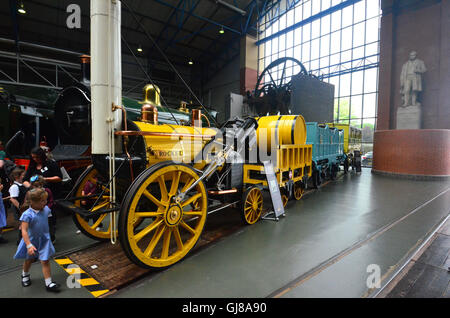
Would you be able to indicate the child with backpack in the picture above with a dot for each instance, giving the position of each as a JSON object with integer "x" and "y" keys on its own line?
{"x": 17, "y": 192}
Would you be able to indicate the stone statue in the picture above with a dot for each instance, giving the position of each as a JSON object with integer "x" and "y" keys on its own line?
{"x": 411, "y": 80}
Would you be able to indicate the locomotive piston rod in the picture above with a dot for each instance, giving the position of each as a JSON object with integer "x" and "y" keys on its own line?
{"x": 217, "y": 162}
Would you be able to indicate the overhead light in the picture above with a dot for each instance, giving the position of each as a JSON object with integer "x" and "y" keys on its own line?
{"x": 21, "y": 8}
{"x": 221, "y": 31}
{"x": 139, "y": 49}
{"x": 191, "y": 62}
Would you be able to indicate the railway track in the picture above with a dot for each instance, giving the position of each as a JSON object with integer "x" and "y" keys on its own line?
{"x": 370, "y": 237}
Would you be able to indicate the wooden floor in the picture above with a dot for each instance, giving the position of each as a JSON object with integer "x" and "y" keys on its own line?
{"x": 114, "y": 270}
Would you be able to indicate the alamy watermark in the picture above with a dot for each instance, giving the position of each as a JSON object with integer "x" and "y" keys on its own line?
{"x": 73, "y": 20}
{"x": 374, "y": 278}
{"x": 73, "y": 281}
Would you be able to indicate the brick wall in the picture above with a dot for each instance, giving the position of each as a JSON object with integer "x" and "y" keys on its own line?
{"x": 412, "y": 152}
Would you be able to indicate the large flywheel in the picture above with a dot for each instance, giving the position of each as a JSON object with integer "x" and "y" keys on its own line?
{"x": 272, "y": 93}
{"x": 277, "y": 82}
{"x": 169, "y": 229}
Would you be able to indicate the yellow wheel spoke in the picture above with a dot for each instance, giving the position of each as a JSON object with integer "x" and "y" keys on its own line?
{"x": 177, "y": 236}
{"x": 175, "y": 183}
{"x": 191, "y": 199}
{"x": 193, "y": 213}
{"x": 187, "y": 185}
{"x": 101, "y": 205}
{"x": 148, "y": 214}
{"x": 153, "y": 199}
{"x": 163, "y": 188}
{"x": 148, "y": 229}
{"x": 97, "y": 223}
{"x": 155, "y": 239}
{"x": 166, "y": 243}
{"x": 187, "y": 227}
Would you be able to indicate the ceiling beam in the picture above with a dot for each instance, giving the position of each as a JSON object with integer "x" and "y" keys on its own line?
{"x": 189, "y": 14}
{"x": 153, "y": 19}
{"x": 199, "y": 17}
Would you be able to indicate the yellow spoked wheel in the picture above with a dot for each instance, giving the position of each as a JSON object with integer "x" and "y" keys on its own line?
{"x": 298, "y": 191}
{"x": 252, "y": 205}
{"x": 170, "y": 229}
{"x": 97, "y": 228}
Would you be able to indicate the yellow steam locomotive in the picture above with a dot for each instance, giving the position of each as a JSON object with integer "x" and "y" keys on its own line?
{"x": 170, "y": 176}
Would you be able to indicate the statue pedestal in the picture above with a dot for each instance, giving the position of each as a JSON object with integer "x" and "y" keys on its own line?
{"x": 409, "y": 117}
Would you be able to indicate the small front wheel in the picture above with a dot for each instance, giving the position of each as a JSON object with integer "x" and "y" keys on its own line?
{"x": 252, "y": 205}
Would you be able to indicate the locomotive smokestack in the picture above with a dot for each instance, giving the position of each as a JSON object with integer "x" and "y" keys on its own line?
{"x": 85, "y": 69}
{"x": 106, "y": 72}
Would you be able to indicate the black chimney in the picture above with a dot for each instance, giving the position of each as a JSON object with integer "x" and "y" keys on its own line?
{"x": 85, "y": 69}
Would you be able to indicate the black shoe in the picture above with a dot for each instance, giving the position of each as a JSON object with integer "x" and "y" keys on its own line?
{"x": 27, "y": 282}
{"x": 52, "y": 287}
{"x": 3, "y": 240}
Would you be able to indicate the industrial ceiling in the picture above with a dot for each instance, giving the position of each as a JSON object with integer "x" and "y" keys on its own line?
{"x": 185, "y": 30}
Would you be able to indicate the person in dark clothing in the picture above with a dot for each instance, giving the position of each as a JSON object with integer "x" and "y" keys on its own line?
{"x": 49, "y": 169}
{"x": 91, "y": 188}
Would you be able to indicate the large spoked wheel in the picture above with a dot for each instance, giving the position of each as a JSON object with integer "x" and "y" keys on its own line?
{"x": 252, "y": 205}
{"x": 97, "y": 228}
{"x": 275, "y": 84}
{"x": 170, "y": 229}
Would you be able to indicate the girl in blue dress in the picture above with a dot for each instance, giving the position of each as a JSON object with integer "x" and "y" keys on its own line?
{"x": 36, "y": 242}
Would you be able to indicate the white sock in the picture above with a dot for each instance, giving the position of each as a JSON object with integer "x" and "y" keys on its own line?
{"x": 48, "y": 281}
{"x": 24, "y": 279}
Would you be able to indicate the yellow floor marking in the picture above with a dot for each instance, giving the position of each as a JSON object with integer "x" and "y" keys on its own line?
{"x": 99, "y": 292}
{"x": 88, "y": 282}
{"x": 76, "y": 270}
{"x": 63, "y": 261}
